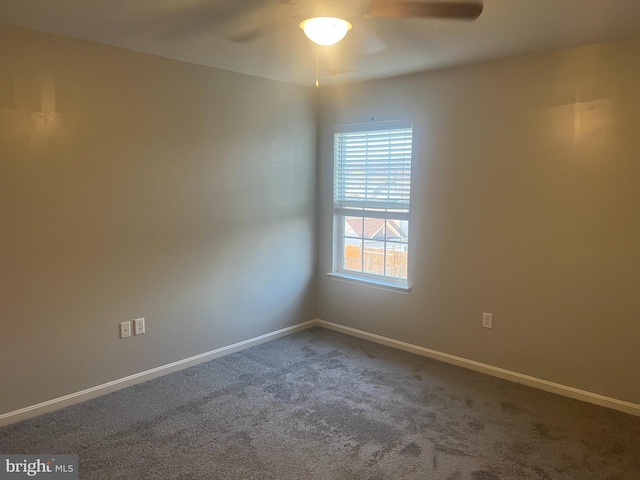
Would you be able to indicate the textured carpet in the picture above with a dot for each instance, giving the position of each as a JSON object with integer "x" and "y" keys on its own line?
{"x": 322, "y": 405}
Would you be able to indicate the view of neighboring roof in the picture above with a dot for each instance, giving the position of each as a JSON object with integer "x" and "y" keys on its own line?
{"x": 374, "y": 228}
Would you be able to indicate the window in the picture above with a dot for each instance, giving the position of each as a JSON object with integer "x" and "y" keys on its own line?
{"x": 372, "y": 189}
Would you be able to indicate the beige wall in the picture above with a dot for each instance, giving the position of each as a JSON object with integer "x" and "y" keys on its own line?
{"x": 133, "y": 186}
{"x": 525, "y": 204}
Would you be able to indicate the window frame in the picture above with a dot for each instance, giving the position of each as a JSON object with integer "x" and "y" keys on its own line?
{"x": 400, "y": 212}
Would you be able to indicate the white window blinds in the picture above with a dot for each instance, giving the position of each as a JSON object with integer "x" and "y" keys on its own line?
{"x": 373, "y": 170}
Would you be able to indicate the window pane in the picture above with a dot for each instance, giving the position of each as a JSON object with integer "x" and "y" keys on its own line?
{"x": 374, "y": 229}
{"x": 396, "y": 258}
{"x": 384, "y": 243}
{"x": 374, "y": 257}
{"x": 397, "y": 230}
{"x": 353, "y": 227}
{"x": 352, "y": 255}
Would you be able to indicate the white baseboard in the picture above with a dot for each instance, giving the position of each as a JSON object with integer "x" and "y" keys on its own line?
{"x": 621, "y": 405}
{"x": 77, "y": 397}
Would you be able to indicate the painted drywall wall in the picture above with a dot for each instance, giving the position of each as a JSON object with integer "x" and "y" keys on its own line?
{"x": 525, "y": 204}
{"x": 135, "y": 186}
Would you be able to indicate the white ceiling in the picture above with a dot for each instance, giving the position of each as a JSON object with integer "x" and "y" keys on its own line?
{"x": 197, "y": 31}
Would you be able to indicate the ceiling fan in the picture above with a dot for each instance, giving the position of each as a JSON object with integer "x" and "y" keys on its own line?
{"x": 325, "y": 22}
{"x": 329, "y": 30}
{"x": 248, "y": 20}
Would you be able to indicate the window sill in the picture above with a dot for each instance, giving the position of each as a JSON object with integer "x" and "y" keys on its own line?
{"x": 370, "y": 283}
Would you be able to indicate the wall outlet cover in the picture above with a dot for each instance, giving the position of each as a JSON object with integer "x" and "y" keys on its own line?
{"x": 138, "y": 326}
{"x": 125, "y": 329}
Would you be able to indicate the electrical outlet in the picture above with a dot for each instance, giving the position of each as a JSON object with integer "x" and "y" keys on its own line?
{"x": 138, "y": 326}
{"x": 487, "y": 320}
{"x": 125, "y": 329}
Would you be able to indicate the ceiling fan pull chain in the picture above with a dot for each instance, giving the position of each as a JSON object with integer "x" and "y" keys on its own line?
{"x": 317, "y": 66}
{"x": 333, "y": 67}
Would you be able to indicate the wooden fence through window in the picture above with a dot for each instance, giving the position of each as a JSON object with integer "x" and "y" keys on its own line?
{"x": 374, "y": 260}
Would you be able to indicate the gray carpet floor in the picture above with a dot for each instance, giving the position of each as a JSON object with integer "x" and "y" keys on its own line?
{"x": 322, "y": 405}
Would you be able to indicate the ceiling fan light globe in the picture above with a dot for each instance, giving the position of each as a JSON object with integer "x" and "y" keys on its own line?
{"x": 325, "y": 31}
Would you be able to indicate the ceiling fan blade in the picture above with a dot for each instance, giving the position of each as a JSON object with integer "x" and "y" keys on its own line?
{"x": 250, "y": 34}
{"x": 409, "y": 9}
{"x": 193, "y": 20}
{"x": 240, "y": 21}
{"x": 365, "y": 40}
